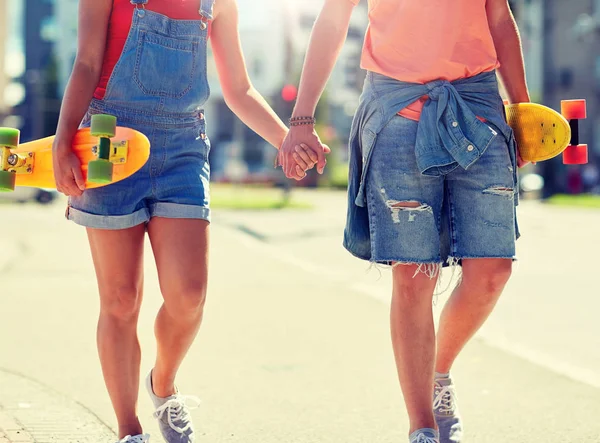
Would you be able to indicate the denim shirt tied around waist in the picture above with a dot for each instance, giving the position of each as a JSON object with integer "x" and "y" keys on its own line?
{"x": 449, "y": 135}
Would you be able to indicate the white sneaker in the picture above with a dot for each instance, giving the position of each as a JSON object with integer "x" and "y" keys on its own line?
{"x": 173, "y": 414}
{"x": 141, "y": 438}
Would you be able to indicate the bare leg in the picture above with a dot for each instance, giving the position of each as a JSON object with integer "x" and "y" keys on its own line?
{"x": 181, "y": 250}
{"x": 469, "y": 306}
{"x": 118, "y": 260}
{"x": 413, "y": 338}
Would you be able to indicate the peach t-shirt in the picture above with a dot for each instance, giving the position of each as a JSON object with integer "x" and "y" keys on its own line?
{"x": 419, "y": 41}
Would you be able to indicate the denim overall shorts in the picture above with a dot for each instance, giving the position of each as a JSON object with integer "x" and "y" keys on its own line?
{"x": 158, "y": 87}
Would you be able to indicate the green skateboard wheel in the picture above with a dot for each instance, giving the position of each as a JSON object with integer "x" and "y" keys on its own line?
{"x": 100, "y": 171}
{"x": 103, "y": 125}
{"x": 7, "y": 181}
{"x": 9, "y": 138}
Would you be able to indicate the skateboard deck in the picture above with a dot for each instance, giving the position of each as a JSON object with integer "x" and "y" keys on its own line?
{"x": 32, "y": 162}
{"x": 542, "y": 133}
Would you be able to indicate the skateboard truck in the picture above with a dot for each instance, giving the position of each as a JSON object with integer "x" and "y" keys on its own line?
{"x": 118, "y": 151}
{"x": 573, "y": 111}
{"x": 101, "y": 169}
{"x": 21, "y": 163}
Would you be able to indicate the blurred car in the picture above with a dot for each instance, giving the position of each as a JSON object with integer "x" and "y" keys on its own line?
{"x": 25, "y": 194}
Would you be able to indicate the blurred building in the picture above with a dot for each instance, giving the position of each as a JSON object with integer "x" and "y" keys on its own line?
{"x": 66, "y": 12}
{"x": 562, "y": 54}
{"x": 3, "y": 47}
{"x": 12, "y": 59}
{"x": 38, "y": 108}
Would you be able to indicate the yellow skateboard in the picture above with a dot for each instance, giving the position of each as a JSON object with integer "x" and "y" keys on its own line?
{"x": 542, "y": 133}
{"x": 108, "y": 154}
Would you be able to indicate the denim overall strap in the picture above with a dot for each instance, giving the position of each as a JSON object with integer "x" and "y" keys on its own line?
{"x": 139, "y": 2}
{"x": 206, "y": 9}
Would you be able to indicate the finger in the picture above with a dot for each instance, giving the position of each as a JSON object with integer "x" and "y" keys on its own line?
{"x": 63, "y": 189}
{"x": 288, "y": 167}
{"x": 309, "y": 152}
{"x": 326, "y": 149}
{"x": 284, "y": 165}
{"x": 300, "y": 174}
{"x": 291, "y": 164}
{"x": 300, "y": 162}
{"x": 305, "y": 155}
{"x": 71, "y": 187}
{"x": 78, "y": 176}
{"x": 321, "y": 162}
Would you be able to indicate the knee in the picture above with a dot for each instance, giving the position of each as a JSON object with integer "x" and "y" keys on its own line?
{"x": 489, "y": 279}
{"x": 121, "y": 302}
{"x": 185, "y": 299}
{"x": 414, "y": 284}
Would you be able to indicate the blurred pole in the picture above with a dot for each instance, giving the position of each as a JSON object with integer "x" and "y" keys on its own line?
{"x": 3, "y": 39}
{"x": 37, "y": 111}
{"x": 549, "y": 168}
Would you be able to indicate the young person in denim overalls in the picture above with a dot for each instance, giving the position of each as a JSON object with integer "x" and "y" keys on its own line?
{"x": 433, "y": 174}
{"x": 145, "y": 62}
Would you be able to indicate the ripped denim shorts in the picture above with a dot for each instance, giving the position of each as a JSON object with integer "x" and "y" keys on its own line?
{"x": 409, "y": 213}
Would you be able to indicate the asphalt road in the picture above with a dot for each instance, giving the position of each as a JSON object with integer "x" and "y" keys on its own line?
{"x": 295, "y": 345}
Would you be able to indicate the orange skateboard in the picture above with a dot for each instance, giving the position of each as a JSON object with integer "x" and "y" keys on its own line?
{"x": 108, "y": 154}
{"x": 542, "y": 133}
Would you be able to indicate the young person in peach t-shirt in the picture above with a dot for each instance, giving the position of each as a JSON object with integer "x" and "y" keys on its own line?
{"x": 433, "y": 174}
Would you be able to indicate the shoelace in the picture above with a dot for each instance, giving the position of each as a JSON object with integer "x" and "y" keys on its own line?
{"x": 444, "y": 399}
{"x": 422, "y": 438}
{"x": 177, "y": 411}
{"x": 137, "y": 439}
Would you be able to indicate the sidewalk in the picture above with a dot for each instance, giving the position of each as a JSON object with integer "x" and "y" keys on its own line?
{"x": 284, "y": 355}
{"x": 33, "y": 413}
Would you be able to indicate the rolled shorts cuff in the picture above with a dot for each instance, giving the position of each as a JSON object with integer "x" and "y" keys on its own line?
{"x": 178, "y": 210}
{"x": 110, "y": 222}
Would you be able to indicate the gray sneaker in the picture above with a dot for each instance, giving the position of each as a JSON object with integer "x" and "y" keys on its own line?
{"x": 141, "y": 438}
{"x": 446, "y": 412}
{"x": 173, "y": 415}
{"x": 424, "y": 435}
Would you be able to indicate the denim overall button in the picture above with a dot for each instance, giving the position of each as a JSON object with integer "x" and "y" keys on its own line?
{"x": 141, "y": 12}
{"x": 455, "y": 124}
{"x": 202, "y": 26}
{"x": 470, "y": 148}
{"x": 201, "y": 115}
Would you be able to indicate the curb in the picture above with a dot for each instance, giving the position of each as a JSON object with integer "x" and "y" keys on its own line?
{"x": 31, "y": 412}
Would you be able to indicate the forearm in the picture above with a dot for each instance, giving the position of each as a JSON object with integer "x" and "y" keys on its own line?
{"x": 510, "y": 55}
{"x": 76, "y": 101}
{"x": 256, "y": 113}
{"x": 326, "y": 41}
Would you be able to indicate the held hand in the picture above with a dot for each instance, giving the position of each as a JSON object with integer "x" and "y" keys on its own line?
{"x": 305, "y": 159}
{"x": 67, "y": 170}
{"x": 298, "y": 152}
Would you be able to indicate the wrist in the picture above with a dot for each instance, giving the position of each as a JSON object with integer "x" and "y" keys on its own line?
{"x": 61, "y": 144}
{"x": 519, "y": 96}
{"x": 303, "y": 111}
{"x": 302, "y": 121}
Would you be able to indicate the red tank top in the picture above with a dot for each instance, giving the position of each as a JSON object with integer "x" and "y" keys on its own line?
{"x": 120, "y": 23}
